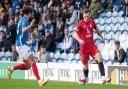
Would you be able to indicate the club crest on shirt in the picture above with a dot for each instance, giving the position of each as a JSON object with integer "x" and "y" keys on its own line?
{"x": 90, "y": 26}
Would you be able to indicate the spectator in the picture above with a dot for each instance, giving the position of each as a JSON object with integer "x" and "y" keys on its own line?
{"x": 78, "y": 4}
{"x": 75, "y": 46}
{"x": 7, "y": 42}
{"x": 12, "y": 30}
{"x": 59, "y": 32}
{"x": 67, "y": 41}
{"x": 50, "y": 26}
{"x": 52, "y": 13}
{"x": 104, "y": 3}
{"x": 44, "y": 56}
{"x": 125, "y": 7}
{"x": 59, "y": 13}
{"x": 119, "y": 54}
{"x": 45, "y": 13}
{"x": 6, "y": 4}
{"x": 33, "y": 43}
{"x": 15, "y": 55}
{"x": 17, "y": 11}
{"x": 1, "y": 8}
{"x": 117, "y": 5}
{"x": 48, "y": 42}
{"x": 95, "y": 9}
{"x": 110, "y": 5}
{"x": 5, "y": 17}
{"x": 1, "y": 41}
{"x": 73, "y": 20}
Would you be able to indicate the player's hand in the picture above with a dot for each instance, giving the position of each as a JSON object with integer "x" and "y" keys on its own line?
{"x": 81, "y": 42}
{"x": 33, "y": 22}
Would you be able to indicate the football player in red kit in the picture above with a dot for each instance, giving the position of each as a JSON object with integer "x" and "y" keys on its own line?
{"x": 83, "y": 33}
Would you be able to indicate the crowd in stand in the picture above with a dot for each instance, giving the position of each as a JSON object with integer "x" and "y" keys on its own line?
{"x": 55, "y": 22}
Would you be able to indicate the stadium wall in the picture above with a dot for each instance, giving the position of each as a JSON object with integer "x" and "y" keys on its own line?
{"x": 69, "y": 72}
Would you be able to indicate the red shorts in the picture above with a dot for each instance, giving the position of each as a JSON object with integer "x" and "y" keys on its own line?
{"x": 86, "y": 51}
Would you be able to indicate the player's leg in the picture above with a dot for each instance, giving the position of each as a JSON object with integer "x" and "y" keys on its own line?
{"x": 30, "y": 60}
{"x": 97, "y": 55}
{"x": 84, "y": 59}
{"x": 23, "y": 66}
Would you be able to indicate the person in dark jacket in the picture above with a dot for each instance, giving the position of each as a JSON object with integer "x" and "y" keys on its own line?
{"x": 119, "y": 54}
{"x": 48, "y": 42}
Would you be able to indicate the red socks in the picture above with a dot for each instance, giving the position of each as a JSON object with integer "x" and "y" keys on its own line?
{"x": 24, "y": 67}
{"x": 20, "y": 67}
{"x": 35, "y": 71}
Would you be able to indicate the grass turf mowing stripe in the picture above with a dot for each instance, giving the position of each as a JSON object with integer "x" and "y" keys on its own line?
{"x": 32, "y": 84}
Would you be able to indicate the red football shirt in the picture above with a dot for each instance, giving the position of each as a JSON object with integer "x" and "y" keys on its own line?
{"x": 85, "y": 31}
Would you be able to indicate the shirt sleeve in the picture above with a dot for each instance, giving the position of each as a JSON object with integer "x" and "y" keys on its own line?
{"x": 94, "y": 24}
{"x": 25, "y": 23}
{"x": 78, "y": 27}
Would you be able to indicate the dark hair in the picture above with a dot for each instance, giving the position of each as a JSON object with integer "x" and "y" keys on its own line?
{"x": 42, "y": 46}
{"x": 27, "y": 10}
{"x": 117, "y": 42}
{"x": 86, "y": 10}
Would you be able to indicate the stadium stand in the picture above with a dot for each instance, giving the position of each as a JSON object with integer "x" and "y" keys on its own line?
{"x": 112, "y": 22}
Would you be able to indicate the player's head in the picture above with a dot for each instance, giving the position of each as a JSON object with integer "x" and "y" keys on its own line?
{"x": 28, "y": 11}
{"x": 86, "y": 14}
{"x": 117, "y": 44}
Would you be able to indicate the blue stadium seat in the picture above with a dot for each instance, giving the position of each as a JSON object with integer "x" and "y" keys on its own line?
{"x": 126, "y": 20}
{"x": 96, "y": 21}
{"x": 103, "y": 14}
{"x": 101, "y": 21}
{"x": 120, "y": 13}
{"x": 56, "y": 57}
{"x": 108, "y": 14}
{"x": 59, "y": 61}
{"x": 8, "y": 56}
{"x": 111, "y": 41}
{"x": 120, "y": 20}
{"x": 124, "y": 32}
{"x": 104, "y": 32}
{"x": 97, "y": 41}
{"x": 125, "y": 25}
{"x": 70, "y": 56}
{"x": 2, "y": 56}
{"x": 114, "y": 20}
{"x": 122, "y": 28}
{"x": 107, "y": 27}
{"x": 108, "y": 36}
{"x": 106, "y": 40}
{"x": 114, "y": 14}
{"x": 117, "y": 32}
{"x": 108, "y": 21}
{"x": 59, "y": 46}
{"x": 52, "y": 55}
{"x": 77, "y": 56}
{"x": 63, "y": 56}
{"x": 111, "y": 32}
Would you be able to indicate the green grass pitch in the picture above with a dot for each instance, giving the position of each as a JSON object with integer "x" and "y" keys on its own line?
{"x": 32, "y": 84}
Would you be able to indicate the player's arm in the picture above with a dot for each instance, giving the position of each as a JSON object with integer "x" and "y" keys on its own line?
{"x": 29, "y": 26}
{"x": 76, "y": 36}
{"x": 99, "y": 33}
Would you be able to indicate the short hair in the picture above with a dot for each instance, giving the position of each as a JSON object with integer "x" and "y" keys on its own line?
{"x": 86, "y": 10}
{"x": 117, "y": 42}
{"x": 27, "y": 10}
{"x": 42, "y": 46}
